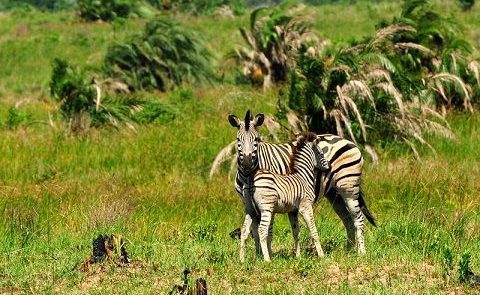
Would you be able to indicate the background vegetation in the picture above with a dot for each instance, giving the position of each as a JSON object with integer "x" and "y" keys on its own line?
{"x": 140, "y": 168}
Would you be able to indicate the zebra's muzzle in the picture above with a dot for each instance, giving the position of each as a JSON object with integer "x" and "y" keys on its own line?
{"x": 247, "y": 164}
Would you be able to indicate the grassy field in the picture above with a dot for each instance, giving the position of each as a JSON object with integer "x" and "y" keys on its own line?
{"x": 150, "y": 184}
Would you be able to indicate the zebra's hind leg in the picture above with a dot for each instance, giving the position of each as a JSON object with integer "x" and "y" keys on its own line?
{"x": 293, "y": 217}
{"x": 244, "y": 235}
{"x": 358, "y": 222}
{"x": 350, "y": 196}
{"x": 265, "y": 221}
{"x": 306, "y": 211}
{"x": 340, "y": 208}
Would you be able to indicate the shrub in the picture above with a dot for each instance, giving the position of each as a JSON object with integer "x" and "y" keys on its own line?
{"x": 272, "y": 45}
{"x": 108, "y": 10}
{"x": 388, "y": 84}
{"x": 200, "y": 7}
{"x": 466, "y": 4}
{"x": 40, "y": 4}
{"x": 464, "y": 269}
{"x": 431, "y": 50}
{"x": 82, "y": 107}
{"x": 76, "y": 95}
{"x": 15, "y": 118}
{"x": 167, "y": 55}
{"x": 347, "y": 94}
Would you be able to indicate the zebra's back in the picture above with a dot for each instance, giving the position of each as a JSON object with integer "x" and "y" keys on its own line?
{"x": 346, "y": 163}
{"x": 345, "y": 159}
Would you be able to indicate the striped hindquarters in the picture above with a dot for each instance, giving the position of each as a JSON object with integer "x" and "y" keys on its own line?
{"x": 346, "y": 163}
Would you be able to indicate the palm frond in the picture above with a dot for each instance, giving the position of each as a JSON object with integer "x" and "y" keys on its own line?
{"x": 411, "y": 45}
{"x": 413, "y": 148}
{"x": 221, "y": 157}
{"x": 474, "y": 67}
{"x": 459, "y": 82}
{"x": 373, "y": 154}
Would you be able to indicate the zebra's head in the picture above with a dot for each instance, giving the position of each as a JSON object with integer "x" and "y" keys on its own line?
{"x": 247, "y": 140}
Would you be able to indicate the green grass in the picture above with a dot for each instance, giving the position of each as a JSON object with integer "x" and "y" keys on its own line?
{"x": 58, "y": 192}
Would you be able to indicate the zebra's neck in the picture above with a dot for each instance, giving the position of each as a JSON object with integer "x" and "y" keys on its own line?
{"x": 274, "y": 157}
{"x": 304, "y": 165}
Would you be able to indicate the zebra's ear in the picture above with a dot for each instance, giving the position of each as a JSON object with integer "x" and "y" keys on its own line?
{"x": 258, "y": 121}
{"x": 234, "y": 121}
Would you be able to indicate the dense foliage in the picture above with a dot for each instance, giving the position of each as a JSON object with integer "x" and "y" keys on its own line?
{"x": 82, "y": 105}
{"x": 432, "y": 51}
{"x": 466, "y": 4}
{"x": 165, "y": 56}
{"x": 201, "y": 7}
{"x": 75, "y": 95}
{"x": 389, "y": 83}
{"x": 41, "y": 4}
{"x": 272, "y": 45}
{"x": 108, "y": 10}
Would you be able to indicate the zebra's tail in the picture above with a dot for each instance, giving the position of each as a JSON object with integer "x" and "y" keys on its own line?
{"x": 365, "y": 211}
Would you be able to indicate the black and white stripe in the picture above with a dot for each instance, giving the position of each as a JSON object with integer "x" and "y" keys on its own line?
{"x": 340, "y": 185}
{"x": 293, "y": 194}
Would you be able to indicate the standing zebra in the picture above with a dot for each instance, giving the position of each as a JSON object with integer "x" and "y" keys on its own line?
{"x": 340, "y": 185}
{"x": 293, "y": 193}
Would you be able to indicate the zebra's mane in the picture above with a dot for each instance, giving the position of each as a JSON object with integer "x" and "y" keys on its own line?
{"x": 247, "y": 120}
{"x": 296, "y": 148}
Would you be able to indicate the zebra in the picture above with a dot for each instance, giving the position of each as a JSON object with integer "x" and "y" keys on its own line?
{"x": 340, "y": 185}
{"x": 293, "y": 193}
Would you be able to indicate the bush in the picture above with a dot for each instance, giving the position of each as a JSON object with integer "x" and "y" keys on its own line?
{"x": 388, "y": 84}
{"x": 108, "y": 10}
{"x": 40, "y": 4}
{"x": 347, "y": 94}
{"x": 167, "y": 55}
{"x": 82, "y": 107}
{"x": 272, "y": 45}
{"x": 432, "y": 49}
{"x": 76, "y": 95}
{"x": 16, "y": 118}
{"x": 466, "y": 4}
{"x": 199, "y": 7}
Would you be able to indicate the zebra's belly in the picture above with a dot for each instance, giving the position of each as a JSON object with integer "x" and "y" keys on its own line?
{"x": 285, "y": 206}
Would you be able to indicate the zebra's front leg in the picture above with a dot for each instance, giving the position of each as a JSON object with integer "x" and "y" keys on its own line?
{"x": 256, "y": 237}
{"x": 270, "y": 235}
{"x": 244, "y": 235}
{"x": 306, "y": 211}
{"x": 266, "y": 218}
{"x": 293, "y": 217}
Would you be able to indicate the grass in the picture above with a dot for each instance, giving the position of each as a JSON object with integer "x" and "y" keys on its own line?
{"x": 58, "y": 192}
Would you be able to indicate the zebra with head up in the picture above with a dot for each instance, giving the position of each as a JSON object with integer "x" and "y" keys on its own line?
{"x": 340, "y": 184}
{"x": 293, "y": 194}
